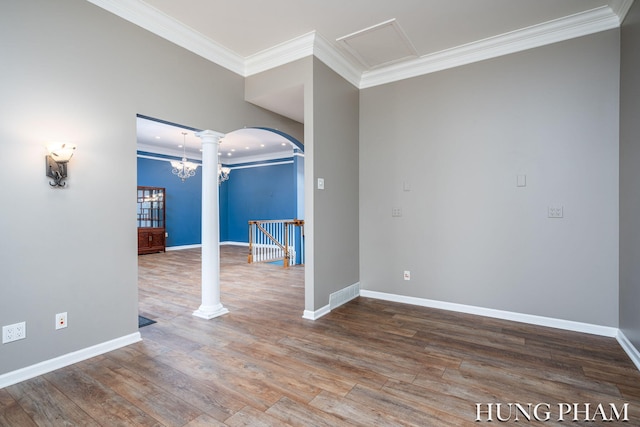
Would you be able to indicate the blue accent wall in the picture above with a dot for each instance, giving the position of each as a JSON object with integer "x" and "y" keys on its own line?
{"x": 223, "y": 193}
{"x": 183, "y": 200}
{"x": 298, "y": 183}
{"x": 254, "y": 191}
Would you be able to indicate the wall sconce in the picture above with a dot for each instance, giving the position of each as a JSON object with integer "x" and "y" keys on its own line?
{"x": 56, "y": 163}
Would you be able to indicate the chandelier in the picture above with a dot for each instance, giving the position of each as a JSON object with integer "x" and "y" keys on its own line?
{"x": 183, "y": 168}
{"x": 223, "y": 173}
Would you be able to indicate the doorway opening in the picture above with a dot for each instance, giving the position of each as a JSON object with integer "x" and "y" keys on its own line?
{"x": 265, "y": 181}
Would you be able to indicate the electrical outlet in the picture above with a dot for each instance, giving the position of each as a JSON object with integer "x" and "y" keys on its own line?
{"x": 396, "y": 212}
{"x": 407, "y": 275}
{"x": 17, "y": 331}
{"x": 61, "y": 320}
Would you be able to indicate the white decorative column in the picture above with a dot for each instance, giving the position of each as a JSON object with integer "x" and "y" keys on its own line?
{"x": 211, "y": 306}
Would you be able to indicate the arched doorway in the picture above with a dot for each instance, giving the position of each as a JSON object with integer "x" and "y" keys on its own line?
{"x": 266, "y": 179}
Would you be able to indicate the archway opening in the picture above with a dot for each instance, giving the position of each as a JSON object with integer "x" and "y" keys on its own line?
{"x": 265, "y": 182}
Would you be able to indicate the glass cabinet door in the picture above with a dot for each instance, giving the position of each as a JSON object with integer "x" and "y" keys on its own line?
{"x": 151, "y": 207}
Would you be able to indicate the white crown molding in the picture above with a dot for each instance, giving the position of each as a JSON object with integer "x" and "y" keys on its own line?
{"x": 257, "y": 163}
{"x": 148, "y": 148}
{"x": 227, "y": 161}
{"x": 335, "y": 59}
{"x": 620, "y": 8}
{"x": 151, "y": 19}
{"x": 577, "y": 25}
{"x": 289, "y": 51}
{"x": 581, "y": 24}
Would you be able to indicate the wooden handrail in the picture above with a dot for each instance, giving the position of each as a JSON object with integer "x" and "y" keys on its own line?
{"x": 283, "y": 250}
{"x": 273, "y": 239}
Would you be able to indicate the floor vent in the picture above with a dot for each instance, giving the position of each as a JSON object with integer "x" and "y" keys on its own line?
{"x": 343, "y": 296}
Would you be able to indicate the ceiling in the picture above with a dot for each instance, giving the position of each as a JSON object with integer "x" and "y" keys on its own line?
{"x": 367, "y": 42}
{"x": 240, "y": 146}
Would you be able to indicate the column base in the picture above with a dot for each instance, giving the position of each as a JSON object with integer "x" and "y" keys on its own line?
{"x": 209, "y": 312}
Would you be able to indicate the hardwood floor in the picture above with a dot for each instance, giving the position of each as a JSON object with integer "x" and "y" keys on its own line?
{"x": 367, "y": 363}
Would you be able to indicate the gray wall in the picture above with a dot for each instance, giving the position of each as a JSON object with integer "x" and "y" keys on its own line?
{"x": 285, "y": 78}
{"x": 334, "y": 153}
{"x": 447, "y": 147}
{"x": 72, "y": 71}
{"x": 630, "y": 177}
{"x": 455, "y": 140}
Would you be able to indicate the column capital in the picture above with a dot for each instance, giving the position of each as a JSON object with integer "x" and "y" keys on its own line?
{"x": 210, "y": 136}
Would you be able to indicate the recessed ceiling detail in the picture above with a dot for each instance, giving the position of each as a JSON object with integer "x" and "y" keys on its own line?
{"x": 240, "y": 146}
{"x": 379, "y": 45}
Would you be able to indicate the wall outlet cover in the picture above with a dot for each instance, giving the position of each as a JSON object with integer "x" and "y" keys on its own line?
{"x": 61, "y": 320}
{"x": 17, "y": 331}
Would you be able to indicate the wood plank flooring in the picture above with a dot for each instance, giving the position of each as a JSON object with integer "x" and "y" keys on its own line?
{"x": 367, "y": 363}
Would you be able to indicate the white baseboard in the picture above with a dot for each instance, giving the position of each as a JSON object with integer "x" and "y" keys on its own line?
{"x": 179, "y": 248}
{"x": 315, "y": 315}
{"x": 234, "y": 243}
{"x": 336, "y": 299}
{"x": 629, "y": 348}
{"x": 344, "y": 295}
{"x": 568, "y": 325}
{"x": 42, "y": 368}
{"x": 198, "y": 245}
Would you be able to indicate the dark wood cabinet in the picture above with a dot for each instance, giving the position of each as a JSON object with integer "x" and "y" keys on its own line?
{"x": 151, "y": 220}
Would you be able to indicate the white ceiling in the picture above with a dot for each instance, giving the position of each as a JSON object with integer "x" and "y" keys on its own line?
{"x": 248, "y": 27}
{"x": 240, "y": 146}
{"x": 368, "y": 42}
{"x": 249, "y": 36}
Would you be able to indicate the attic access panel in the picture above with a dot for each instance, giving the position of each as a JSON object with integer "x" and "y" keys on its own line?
{"x": 379, "y": 44}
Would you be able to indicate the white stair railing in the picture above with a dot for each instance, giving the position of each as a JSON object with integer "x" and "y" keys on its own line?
{"x": 274, "y": 240}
